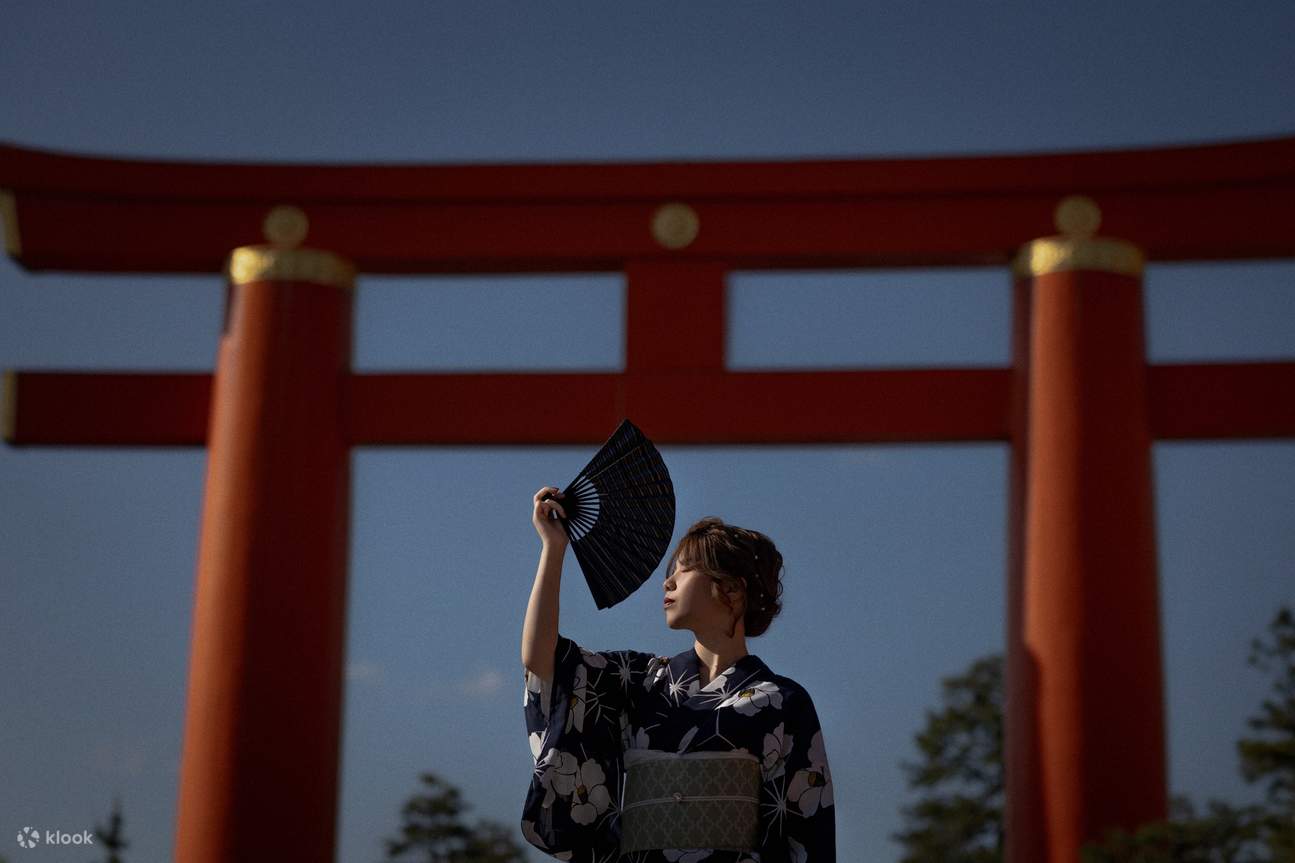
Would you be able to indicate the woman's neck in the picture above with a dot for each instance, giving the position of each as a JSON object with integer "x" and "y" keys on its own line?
{"x": 717, "y": 653}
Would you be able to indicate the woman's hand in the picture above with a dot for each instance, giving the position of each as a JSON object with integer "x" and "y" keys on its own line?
{"x": 546, "y": 524}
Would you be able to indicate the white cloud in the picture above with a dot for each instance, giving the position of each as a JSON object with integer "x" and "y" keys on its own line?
{"x": 486, "y": 683}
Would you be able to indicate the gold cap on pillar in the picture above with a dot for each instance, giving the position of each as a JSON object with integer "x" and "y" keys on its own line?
{"x": 1078, "y": 248}
{"x": 9, "y": 406}
{"x": 285, "y": 227}
{"x": 9, "y": 214}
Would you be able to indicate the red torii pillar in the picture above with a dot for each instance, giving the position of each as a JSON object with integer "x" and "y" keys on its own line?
{"x": 263, "y": 719}
{"x": 1085, "y": 704}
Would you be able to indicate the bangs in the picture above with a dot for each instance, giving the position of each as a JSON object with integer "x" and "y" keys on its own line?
{"x": 696, "y": 552}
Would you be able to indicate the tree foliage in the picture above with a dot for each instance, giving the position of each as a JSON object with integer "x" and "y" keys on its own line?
{"x": 112, "y": 837}
{"x": 1227, "y": 834}
{"x": 1271, "y": 758}
{"x": 959, "y": 816}
{"x": 433, "y": 830}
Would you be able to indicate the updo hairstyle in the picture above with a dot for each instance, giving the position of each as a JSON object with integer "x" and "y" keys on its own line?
{"x": 737, "y": 559}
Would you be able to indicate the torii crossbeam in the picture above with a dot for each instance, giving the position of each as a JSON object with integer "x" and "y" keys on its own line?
{"x": 1079, "y": 405}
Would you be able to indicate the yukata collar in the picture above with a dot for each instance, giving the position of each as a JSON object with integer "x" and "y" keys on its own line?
{"x": 686, "y": 669}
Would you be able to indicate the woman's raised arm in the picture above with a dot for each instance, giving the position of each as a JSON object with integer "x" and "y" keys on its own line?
{"x": 540, "y": 629}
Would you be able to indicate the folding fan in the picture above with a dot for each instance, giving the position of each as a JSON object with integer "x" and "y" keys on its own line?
{"x": 620, "y": 515}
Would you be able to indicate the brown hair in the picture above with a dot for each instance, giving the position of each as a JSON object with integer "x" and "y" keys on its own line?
{"x": 738, "y": 559}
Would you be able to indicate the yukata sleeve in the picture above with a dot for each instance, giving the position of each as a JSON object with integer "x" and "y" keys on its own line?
{"x": 576, "y": 723}
{"x": 810, "y": 825}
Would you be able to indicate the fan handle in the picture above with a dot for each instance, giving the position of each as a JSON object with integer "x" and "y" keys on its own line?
{"x": 570, "y": 504}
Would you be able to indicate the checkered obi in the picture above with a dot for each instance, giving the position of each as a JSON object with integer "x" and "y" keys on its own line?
{"x": 690, "y": 800}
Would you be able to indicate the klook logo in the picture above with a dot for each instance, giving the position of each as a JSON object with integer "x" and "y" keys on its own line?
{"x": 30, "y": 837}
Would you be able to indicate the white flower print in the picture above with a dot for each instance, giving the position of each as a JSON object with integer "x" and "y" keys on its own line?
{"x": 687, "y": 738}
{"x": 811, "y": 789}
{"x": 558, "y": 778}
{"x": 750, "y": 700}
{"x": 720, "y": 683}
{"x": 538, "y": 688}
{"x": 637, "y": 739}
{"x": 818, "y": 757}
{"x": 817, "y": 750}
{"x": 797, "y": 851}
{"x": 590, "y": 797}
{"x": 777, "y": 746}
{"x": 537, "y": 745}
{"x": 686, "y": 855}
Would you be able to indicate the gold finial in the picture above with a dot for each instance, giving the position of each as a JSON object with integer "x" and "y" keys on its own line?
{"x": 675, "y": 225}
{"x": 9, "y": 213}
{"x": 9, "y": 406}
{"x": 267, "y": 263}
{"x": 285, "y": 226}
{"x": 1077, "y": 216}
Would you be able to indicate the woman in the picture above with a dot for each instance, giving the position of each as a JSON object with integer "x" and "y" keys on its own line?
{"x": 718, "y": 758}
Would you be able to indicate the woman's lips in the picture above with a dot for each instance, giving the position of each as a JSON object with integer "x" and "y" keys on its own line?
{"x": 668, "y": 603}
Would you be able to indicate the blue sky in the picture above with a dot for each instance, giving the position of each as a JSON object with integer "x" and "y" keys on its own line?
{"x": 895, "y": 554}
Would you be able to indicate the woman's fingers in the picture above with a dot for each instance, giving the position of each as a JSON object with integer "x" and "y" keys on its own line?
{"x": 547, "y": 507}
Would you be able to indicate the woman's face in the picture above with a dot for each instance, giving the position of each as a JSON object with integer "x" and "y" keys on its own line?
{"x": 692, "y": 601}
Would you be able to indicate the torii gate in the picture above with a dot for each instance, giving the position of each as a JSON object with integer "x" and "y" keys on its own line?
{"x": 1079, "y": 405}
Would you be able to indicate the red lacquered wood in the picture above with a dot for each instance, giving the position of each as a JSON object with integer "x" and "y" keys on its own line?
{"x": 684, "y": 407}
{"x": 259, "y": 770}
{"x": 1088, "y": 680}
{"x": 1186, "y": 402}
{"x": 1194, "y": 401}
{"x": 110, "y": 408}
{"x": 1178, "y": 203}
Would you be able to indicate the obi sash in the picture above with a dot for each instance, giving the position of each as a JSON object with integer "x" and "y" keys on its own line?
{"x": 690, "y": 800}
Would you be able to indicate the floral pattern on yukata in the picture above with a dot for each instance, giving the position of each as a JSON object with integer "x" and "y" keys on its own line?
{"x": 602, "y": 703}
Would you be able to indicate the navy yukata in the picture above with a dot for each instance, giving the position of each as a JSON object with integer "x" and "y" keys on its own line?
{"x": 600, "y": 704}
